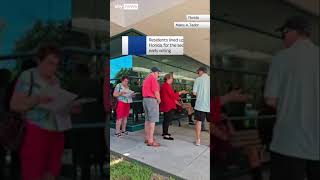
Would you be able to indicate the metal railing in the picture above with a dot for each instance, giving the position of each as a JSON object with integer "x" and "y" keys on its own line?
{"x": 240, "y": 118}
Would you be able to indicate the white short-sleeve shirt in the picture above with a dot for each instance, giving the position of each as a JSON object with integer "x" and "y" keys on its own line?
{"x": 201, "y": 87}
{"x": 294, "y": 80}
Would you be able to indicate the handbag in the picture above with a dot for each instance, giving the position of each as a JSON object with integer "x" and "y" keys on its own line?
{"x": 12, "y": 126}
{"x": 114, "y": 99}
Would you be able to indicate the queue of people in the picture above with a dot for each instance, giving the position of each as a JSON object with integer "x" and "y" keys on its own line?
{"x": 164, "y": 99}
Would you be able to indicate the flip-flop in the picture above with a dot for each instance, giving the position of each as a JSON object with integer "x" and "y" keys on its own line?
{"x": 125, "y": 132}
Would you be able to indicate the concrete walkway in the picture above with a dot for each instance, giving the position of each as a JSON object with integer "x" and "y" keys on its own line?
{"x": 179, "y": 157}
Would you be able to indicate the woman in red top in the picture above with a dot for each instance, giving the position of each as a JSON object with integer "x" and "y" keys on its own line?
{"x": 169, "y": 100}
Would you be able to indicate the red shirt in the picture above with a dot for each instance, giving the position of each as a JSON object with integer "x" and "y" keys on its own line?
{"x": 168, "y": 98}
{"x": 150, "y": 86}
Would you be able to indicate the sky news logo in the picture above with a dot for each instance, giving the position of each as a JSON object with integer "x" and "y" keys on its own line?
{"x": 127, "y": 6}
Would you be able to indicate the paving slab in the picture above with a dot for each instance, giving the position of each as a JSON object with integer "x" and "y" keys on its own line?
{"x": 201, "y": 162}
{"x": 179, "y": 157}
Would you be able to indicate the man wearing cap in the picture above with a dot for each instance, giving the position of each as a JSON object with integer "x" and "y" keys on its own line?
{"x": 151, "y": 101}
{"x": 201, "y": 89}
{"x": 292, "y": 88}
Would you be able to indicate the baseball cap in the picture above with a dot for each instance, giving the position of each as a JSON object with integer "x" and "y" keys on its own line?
{"x": 296, "y": 23}
{"x": 155, "y": 69}
{"x": 204, "y": 69}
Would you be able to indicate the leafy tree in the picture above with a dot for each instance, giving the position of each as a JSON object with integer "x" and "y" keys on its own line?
{"x": 123, "y": 72}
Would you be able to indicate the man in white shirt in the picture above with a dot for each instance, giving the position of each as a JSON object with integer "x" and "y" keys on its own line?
{"x": 292, "y": 88}
{"x": 201, "y": 89}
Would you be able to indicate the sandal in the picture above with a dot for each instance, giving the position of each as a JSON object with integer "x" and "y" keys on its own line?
{"x": 118, "y": 134}
{"x": 153, "y": 144}
{"x": 125, "y": 132}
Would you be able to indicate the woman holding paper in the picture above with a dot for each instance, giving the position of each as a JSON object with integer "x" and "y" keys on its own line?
{"x": 43, "y": 143}
{"x": 124, "y": 98}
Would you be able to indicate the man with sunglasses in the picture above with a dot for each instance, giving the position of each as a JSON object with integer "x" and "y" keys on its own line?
{"x": 292, "y": 88}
